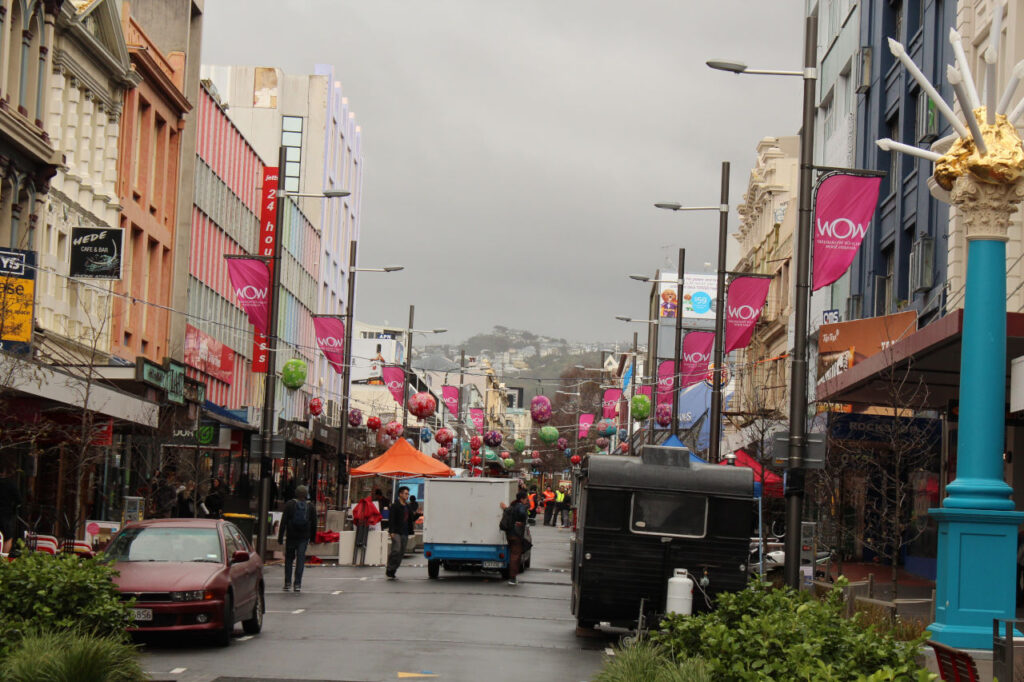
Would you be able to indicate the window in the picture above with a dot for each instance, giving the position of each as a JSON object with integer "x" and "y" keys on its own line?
{"x": 291, "y": 140}
{"x": 676, "y": 514}
{"x": 829, "y": 113}
{"x": 894, "y": 159}
{"x": 927, "y": 124}
{"x": 606, "y": 510}
{"x": 898, "y": 15}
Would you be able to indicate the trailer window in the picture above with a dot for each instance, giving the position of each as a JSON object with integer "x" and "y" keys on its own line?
{"x": 678, "y": 514}
{"x": 606, "y": 510}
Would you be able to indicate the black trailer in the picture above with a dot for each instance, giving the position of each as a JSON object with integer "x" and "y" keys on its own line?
{"x": 641, "y": 518}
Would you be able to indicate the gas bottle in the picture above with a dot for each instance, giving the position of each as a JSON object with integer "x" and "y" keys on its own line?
{"x": 679, "y": 597}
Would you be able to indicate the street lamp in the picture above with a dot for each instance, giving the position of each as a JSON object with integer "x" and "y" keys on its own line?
{"x": 715, "y": 446}
{"x": 408, "y": 362}
{"x": 267, "y": 435}
{"x": 798, "y": 378}
{"x": 346, "y": 370}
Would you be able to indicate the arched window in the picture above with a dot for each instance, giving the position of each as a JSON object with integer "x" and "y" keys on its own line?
{"x": 34, "y": 70}
{"x": 12, "y": 44}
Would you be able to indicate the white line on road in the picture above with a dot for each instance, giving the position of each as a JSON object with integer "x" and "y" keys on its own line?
{"x": 178, "y": 671}
{"x": 337, "y": 592}
{"x": 245, "y": 638}
{"x": 298, "y": 611}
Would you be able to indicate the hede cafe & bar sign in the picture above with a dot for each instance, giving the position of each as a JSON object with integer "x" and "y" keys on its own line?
{"x": 268, "y": 236}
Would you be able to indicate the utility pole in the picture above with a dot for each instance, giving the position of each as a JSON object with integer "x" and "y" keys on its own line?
{"x": 678, "y": 350}
{"x": 346, "y": 375}
{"x": 629, "y": 398}
{"x": 715, "y": 448}
{"x": 408, "y": 371}
{"x": 462, "y": 403}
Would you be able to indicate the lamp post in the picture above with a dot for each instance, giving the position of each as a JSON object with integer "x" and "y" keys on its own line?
{"x": 408, "y": 363}
{"x": 715, "y": 446}
{"x": 798, "y": 368}
{"x": 270, "y": 384}
{"x": 346, "y": 370}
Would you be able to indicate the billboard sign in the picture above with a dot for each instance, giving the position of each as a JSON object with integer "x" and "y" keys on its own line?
{"x": 97, "y": 253}
{"x": 208, "y": 355}
{"x": 699, "y": 294}
{"x": 861, "y": 338}
{"x": 17, "y": 298}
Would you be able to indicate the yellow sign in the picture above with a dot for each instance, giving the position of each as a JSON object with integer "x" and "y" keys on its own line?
{"x": 16, "y": 298}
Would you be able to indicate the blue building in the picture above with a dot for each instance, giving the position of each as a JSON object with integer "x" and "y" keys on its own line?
{"x": 902, "y": 262}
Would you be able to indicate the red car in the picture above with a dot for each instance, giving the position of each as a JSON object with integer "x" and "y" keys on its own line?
{"x": 189, "y": 574}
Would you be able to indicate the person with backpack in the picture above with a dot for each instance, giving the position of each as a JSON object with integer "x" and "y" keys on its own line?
{"x": 298, "y": 524}
{"x": 513, "y": 522}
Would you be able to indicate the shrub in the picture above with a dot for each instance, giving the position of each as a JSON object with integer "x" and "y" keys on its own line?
{"x": 643, "y": 661}
{"x": 767, "y": 634}
{"x": 68, "y": 655}
{"x": 65, "y": 592}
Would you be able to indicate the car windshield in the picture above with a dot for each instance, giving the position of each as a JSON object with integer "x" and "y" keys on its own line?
{"x": 166, "y": 544}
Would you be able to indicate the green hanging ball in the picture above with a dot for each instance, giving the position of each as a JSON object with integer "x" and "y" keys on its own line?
{"x": 640, "y": 407}
{"x": 293, "y": 373}
{"x": 520, "y": 444}
{"x": 548, "y": 434}
{"x": 509, "y": 462}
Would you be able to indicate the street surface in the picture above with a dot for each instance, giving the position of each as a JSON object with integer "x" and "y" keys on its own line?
{"x": 351, "y": 624}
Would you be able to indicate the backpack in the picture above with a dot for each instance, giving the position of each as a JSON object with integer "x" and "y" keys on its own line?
{"x": 299, "y": 523}
{"x": 508, "y": 520}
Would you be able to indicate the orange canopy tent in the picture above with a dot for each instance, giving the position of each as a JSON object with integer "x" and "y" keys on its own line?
{"x": 402, "y": 461}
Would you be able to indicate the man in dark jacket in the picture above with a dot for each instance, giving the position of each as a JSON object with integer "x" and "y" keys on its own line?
{"x": 400, "y": 526}
{"x": 298, "y": 523}
{"x": 516, "y": 536}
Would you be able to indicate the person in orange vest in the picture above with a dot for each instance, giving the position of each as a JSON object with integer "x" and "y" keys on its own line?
{"x": 549, "y": 506}
{"x": 532, "y": 497}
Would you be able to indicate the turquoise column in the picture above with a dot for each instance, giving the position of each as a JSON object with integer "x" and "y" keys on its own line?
{"x": 977, "y": 525}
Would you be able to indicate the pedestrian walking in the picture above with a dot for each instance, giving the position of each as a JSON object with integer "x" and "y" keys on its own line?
{"x": 297, "y": 525}
{"x": 400, "y": 525}
{"x": 514, "y": 520}
{"x": 549, "y": 506}
{"x": 565, "y": 507}
{"x": 214, "y": 502}
{"x": 534, "y": 501}
{"x": 10, "y": 499}
{"x": 185, "y": 507}
{"x": 166, "y": 496}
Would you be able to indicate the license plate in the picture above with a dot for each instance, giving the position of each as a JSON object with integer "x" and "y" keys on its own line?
{"x": 494, "y": 564}
{"x": 142, "y": 614}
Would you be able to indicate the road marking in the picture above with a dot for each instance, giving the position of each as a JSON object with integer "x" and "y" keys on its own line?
{"x": 245, "y": 638}
{"x": 363, "y": 578}
{"x": 422, "y": 674}
{"x": 337, "y": 592}
{"x": 177, "y": 671}
{"x": 298, "y": 611}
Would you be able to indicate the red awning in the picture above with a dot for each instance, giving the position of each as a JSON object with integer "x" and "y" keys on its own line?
{"x": 771, "y": 483}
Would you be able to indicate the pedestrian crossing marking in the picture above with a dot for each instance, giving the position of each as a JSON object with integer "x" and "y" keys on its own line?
{"x": 177, "y": 671}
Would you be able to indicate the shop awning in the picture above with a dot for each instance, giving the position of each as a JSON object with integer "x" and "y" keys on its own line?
{"x": 931, "y": 354}
{"x": 771, "y": 483}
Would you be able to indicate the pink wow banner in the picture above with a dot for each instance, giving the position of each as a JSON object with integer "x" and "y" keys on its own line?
{"x": 450, "y": 396}
{"x": 250, "y": 278}
{"x": 477, "y": 415}
{"x": 744, "y": 302}
{"x": 394, "y": 379}
{"x": 330, "y": 336}
{"x": 696, "y": 357}
{"x": 666, "y": 370}
{"x": 645, "y": 390}
{"x": 843, "y": 208}
{"x": 586, "y": 421}
{"x": 609, "y": 403}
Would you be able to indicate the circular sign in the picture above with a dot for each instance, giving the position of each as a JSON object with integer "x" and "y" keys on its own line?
{"x": 93, "y": 528}
{"x": 701, "y": 302}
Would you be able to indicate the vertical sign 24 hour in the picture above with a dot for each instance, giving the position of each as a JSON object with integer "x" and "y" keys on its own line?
{"x": 268, "y": 236}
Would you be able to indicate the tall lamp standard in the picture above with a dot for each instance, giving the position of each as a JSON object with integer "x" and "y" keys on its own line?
{"x": 798, "y": 377}
{"x": 267, "y": 435}
{"x": 715, "y": 447}
{"x": 346, "y": 370}
{"x": 408, "y": 363}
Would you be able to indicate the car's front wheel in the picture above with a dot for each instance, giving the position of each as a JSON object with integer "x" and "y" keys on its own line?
{"x": 223, "y": 636}
{"x": 253, "y": 625}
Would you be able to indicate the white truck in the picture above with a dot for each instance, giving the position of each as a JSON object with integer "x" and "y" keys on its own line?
{"x": 460, "y": 525}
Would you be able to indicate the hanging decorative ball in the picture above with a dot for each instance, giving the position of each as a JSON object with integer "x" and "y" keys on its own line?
{"x": 623, "y": 448}
{"x": 623, "y": 434}
{"x": 505, "y": 454}
{"x": 575, "y": 459}
{"x": 373, "y": 423}
{"x": 548, "y": 434}
{"x": 540, "y": 409}
{"x": 519, "y": 445}
{"x": 492, "y": 439}
{"x": 394, "y": 430}
{"x": 444, "y": 437}
{"x": 475, "y": 460}
{"x": 426, "y": 434}
{"x": 422, "y": 404}
{"x": 663, "y": 414}
{"x": 607, "y": 428}
{"x": 563, "y": 443}
{"x": 293, "y": 373}
{"x": 567, "y": 452}
{"x": 442, "y": 452}
{"x": 475, "y": 442}
{"x": 355, "y": 418}
{"x": 640, "y": 407}
{"x": 509, "y": 462}
{"x": 602, "y": 443}
{"x": 316, "y": 406}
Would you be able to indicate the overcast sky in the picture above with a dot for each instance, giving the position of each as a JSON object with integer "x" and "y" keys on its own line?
{"x": 513, "y": 150}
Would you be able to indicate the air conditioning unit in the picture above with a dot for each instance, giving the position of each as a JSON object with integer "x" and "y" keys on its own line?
{"x": 922, "y": 264}
{"x": 862, "y": 68}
